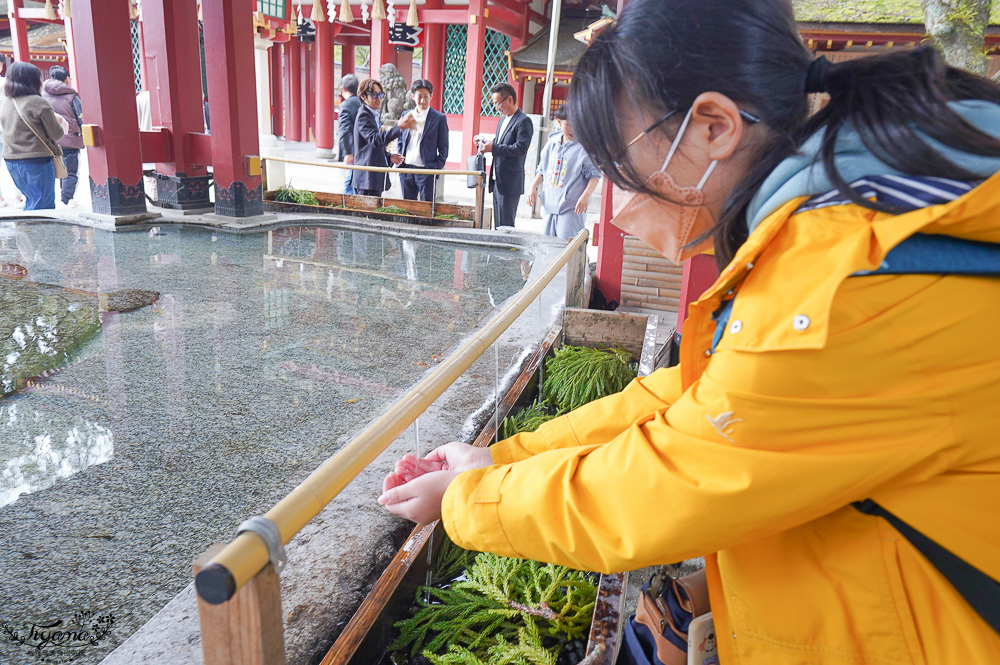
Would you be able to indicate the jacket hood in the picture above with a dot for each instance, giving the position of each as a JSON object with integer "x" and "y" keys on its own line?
{"x": 804, "y": 175}
{"x": 55, "y": 87}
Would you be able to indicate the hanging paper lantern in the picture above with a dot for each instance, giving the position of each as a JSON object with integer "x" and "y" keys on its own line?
{"x": 317, "y": 14}
{"x": 412, "y": 19}
{"x": 378, "y": 10}
{"x": 50, "y": 12}
{"x": 64, "y": 10}
{"x": 346, "y": 16}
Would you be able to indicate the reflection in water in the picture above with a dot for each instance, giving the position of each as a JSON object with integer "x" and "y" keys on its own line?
{"x": 35, "y": 451}
{"x": 40, "y": 328}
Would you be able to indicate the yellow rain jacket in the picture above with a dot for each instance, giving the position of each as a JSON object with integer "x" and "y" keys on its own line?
{"x": 825, "y": 389}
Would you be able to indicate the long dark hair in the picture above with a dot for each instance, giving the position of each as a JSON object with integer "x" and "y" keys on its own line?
{"x": 23, "y": 79}
{"x": 662, "y": 54}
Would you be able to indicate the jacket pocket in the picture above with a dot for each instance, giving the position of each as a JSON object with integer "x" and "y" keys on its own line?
{"x": 823, "y": 592}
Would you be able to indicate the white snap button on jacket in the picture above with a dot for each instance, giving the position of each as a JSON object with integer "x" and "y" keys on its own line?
{"x": 801, "y": 322}
{"x": 735, "y": 327}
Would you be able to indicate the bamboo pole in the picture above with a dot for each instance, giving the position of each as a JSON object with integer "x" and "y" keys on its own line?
{"x": 246, "y": 555}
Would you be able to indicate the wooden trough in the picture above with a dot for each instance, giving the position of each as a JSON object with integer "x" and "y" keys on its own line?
{"x": 371, "y": 629}
{"x": 356, "y": 205}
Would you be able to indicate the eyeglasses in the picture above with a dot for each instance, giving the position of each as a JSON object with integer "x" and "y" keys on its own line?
{"x": 746, "y": 115}
{"x": 376, "y": 95}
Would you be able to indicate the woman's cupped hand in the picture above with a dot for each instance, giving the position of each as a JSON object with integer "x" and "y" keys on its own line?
{"x": 416, "y": 486}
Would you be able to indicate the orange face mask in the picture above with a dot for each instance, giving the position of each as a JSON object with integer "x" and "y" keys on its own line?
{"x": 674, "y": 217}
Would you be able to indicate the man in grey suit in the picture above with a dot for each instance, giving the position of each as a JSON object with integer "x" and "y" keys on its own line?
{"x": 509, "y": 148}
{"x": 345, "y": 124}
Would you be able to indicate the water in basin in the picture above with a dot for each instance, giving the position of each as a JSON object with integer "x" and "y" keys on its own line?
{"x": 146, "y": 436}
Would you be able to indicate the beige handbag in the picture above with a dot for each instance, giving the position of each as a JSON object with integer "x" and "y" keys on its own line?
{"x": 57, "y": 160}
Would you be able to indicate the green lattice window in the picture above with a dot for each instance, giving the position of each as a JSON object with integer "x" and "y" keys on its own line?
{"x": 456, "y": 37}
{"x": 136, "y": 56}
{"x": 275, "y": 8}
{"x": 495, "y": 68}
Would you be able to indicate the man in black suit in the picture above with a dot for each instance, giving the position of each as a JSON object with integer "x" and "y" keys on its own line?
{"x": 371, "y": 139}
{"x": 509, "y": 148}
{"x": 426, "y": 146}
{"x": 345, "y": 124}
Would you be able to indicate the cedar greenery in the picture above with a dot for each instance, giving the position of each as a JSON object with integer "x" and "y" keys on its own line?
{"x": 527, "y": 420}
{"x": 288, "y": 194}
{"x": 500, "y": 613}
{"x": 576, "y": 375}
{"x": 393, "y": 210}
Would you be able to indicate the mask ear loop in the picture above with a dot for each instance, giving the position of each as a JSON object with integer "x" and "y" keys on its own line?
{"x": 676, "y": 143}
{"x": 704, "y": 178}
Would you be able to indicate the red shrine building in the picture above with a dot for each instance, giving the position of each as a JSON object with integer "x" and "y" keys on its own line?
{"x": 270, "y": 68}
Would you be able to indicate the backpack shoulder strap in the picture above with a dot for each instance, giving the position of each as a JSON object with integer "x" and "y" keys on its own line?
{"x": 980, "y": 590}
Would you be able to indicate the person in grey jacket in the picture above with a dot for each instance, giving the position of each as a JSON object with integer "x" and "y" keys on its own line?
{"x": 345, "y": 124}
{"x": 65, "y": 101}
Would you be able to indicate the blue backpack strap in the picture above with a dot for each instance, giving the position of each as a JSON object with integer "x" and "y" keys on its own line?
{"x": 980, "y": 590}
{"x": 924, "y": 254}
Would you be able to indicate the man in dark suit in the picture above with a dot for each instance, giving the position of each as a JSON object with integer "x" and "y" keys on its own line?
{"x": 509, "y": 148}
{"x": 371, "y": 139}
{"x": 426, "y": 146}
{"x": 345, "y": 124}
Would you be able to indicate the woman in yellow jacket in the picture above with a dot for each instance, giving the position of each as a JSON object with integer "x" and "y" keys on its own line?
{"x": 821, "y": 369}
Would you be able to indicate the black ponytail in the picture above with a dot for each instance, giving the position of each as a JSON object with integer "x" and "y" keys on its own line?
{"x": 663, "y": 53}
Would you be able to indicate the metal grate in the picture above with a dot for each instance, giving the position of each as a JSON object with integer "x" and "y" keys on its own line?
{"x": 456, "y": 38}
{"x": 495, "y": 68}
{"x": 273, "y": 8}
{"x": 136, "y": 56}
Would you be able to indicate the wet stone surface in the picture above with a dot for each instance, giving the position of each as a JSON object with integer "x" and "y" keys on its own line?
{"x": 262, "y": 355}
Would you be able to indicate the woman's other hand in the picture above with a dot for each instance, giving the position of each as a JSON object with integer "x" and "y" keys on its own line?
{"x": 396, "y": 159}
{"x": 420, "y": 499}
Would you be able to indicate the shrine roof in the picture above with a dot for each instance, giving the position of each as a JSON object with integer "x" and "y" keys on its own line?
{"x": 43, "y": 38}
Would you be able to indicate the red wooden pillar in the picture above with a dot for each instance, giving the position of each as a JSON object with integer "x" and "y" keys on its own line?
{"x": 309, "y": 82}
{"x": 170, "y": 29}
{"x": 18, "y": 32}
{"x": 516, "y": 43}
{"x": 143, "y": 76}
{"x": 700, "y": 273}
{"x": 610, "y": 250}
{"x": 382, "y": 52}
{"x": 324, "y": 86}
{"x": 104, "y": 52}
{"x": 404, "y": 63}
{"x": 294, "y": 49}
{"x": 474, "y": 59}
{"x": 611, "y": 239}
{"x": 276, "y": 53}
{"x": 229, "y": 56}
{"x": 347, "y": 59}
{"x": 434, "y": 52}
